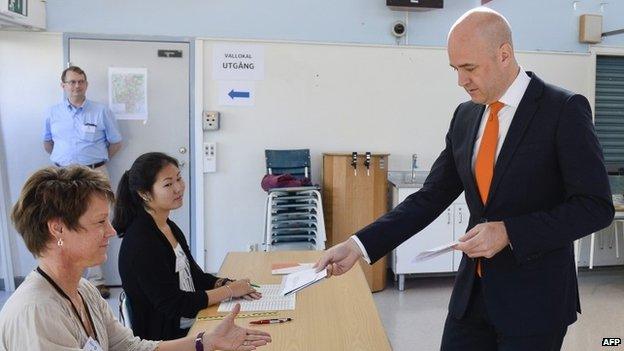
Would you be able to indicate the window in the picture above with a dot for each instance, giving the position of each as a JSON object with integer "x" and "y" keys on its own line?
{"x": 610, "y": 110}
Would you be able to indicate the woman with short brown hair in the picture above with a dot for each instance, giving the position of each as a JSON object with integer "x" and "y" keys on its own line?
{"x": 62, "y": 214}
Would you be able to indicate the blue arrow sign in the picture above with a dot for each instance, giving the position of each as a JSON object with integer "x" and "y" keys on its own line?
{"x": 238, "y": 94}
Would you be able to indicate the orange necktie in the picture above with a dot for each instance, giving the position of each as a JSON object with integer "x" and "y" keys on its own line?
{"x": 486, "y": 158}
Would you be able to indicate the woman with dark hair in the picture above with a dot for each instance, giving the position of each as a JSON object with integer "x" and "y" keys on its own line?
{"x": 164, "y": 284}
{"x": 62, "y": 215}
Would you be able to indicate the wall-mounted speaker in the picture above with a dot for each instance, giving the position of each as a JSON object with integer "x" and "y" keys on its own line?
{"x": 590, "y": 29}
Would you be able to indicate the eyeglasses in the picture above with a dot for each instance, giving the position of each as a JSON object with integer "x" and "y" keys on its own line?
{"x": 76, "y": 82}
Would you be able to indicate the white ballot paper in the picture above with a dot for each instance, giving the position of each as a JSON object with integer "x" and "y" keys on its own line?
{"x": 301, "y": 279}
{"x": 436, "y": 251}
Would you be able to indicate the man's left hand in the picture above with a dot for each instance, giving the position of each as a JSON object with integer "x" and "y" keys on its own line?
{"x": 484, "y": 240}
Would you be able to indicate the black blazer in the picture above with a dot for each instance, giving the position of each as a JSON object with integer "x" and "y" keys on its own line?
{"x": 550, "y": 187}
{"x": 148, "y": 276}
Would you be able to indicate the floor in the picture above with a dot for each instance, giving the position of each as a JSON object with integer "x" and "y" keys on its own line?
{"x": 413, "y": 318}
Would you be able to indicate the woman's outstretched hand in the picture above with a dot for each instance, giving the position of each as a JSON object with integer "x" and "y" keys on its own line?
{"x": 230, "y": 337}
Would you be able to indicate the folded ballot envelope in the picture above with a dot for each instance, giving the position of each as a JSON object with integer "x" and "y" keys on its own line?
{"x": 436, "y": 251}
{"x": 300, "y": 280}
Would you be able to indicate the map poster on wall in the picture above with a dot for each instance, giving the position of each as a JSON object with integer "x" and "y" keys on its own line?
{"x": 127, "y": 92}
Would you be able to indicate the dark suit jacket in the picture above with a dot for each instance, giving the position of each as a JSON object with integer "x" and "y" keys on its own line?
{"x": 550, "y": 187}
{"x": 149, "y": 278}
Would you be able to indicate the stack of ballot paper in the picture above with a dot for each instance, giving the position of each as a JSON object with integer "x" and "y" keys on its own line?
{"x": 300, "y": 280}
{"x": 279, "y": 268}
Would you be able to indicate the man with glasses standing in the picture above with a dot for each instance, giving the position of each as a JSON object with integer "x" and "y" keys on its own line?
{"x": 84, "y": 132}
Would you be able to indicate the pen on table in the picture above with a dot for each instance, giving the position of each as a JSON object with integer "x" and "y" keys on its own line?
{"x": 254, "y": 285}
{"x": 271, "y": 321}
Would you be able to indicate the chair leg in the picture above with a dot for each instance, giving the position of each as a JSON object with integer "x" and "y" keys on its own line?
{"x": 591, "y": 250}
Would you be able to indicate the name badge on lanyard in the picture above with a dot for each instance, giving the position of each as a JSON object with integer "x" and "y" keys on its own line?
{"x": 92, "y": 345}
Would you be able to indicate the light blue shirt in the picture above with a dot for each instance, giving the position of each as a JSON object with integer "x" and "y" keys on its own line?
{"x": 80, "y": 135}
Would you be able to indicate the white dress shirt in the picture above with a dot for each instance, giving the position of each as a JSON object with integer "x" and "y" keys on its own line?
{"x": 511, "y": 99}
{"x": 186, "y": 280}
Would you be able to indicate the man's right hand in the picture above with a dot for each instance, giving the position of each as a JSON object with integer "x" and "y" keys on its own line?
{"x": 340, "y": 258}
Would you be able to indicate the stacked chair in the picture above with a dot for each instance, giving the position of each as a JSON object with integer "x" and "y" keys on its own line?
{"x": 294, "y": 216}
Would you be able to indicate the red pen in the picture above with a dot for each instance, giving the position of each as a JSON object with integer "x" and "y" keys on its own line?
{"x": 271, "y": 321}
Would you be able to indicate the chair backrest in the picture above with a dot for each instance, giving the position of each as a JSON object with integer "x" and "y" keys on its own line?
{"x": 294, "y": 162}
{"x": 125, "y": 310}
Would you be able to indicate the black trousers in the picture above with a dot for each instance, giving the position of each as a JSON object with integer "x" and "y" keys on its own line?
{"x": 474, "y": 332}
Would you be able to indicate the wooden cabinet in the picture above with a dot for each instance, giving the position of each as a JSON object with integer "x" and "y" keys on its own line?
{"x": 449, "y": 226}
{"x": 353, "y": 197}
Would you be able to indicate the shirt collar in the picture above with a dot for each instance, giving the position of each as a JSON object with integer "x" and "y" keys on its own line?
{"x": 72, "y": 107}
{"x": 516, "y": 90}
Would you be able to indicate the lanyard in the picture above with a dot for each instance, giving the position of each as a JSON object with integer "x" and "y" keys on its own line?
{"x": 62, "y": 293}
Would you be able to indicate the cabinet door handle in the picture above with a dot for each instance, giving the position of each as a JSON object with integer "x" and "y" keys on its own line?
{"x": 460, "y": 215}
{"x": 448, "y": 216}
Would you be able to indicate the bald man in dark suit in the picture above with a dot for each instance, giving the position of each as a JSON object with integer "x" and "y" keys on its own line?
{"x": 527, "y": 157}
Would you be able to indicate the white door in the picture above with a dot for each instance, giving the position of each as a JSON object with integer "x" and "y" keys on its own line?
{"x": 167, "y": 128}
{"x": 462, "y": 214}
{"x": 6, "y": 259}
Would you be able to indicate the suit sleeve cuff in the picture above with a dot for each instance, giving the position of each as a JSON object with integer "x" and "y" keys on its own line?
{"x": 361, "y": 246}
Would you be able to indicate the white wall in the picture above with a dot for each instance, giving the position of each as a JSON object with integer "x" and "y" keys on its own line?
{"x": 538, "y": 24}
{"x": 30, "y": 66}
{"x": 331, "y": 98}
{"x": 324, "y": 97}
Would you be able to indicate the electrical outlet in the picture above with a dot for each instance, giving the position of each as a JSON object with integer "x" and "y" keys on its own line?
{"x": 211, "y": 120}
{"x": 210, "y": 157}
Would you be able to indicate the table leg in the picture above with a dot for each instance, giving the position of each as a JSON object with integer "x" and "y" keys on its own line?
{"x": 617, "y": 235}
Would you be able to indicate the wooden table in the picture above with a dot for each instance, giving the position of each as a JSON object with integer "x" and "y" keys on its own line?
{"x": 335, "y": 314}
